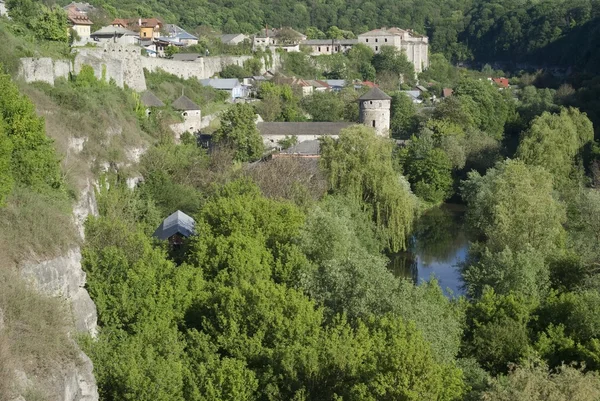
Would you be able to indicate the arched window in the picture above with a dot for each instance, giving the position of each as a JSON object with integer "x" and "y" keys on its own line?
{"x": 373, "y": 123}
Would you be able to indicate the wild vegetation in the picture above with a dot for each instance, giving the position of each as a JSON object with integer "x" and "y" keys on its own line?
{"x": 285, "y": 291}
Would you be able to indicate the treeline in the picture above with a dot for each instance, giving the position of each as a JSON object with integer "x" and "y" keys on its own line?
{"x": 502, "y": 30}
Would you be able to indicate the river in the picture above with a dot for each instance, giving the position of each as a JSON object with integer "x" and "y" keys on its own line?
{"x": 439, "y": 243}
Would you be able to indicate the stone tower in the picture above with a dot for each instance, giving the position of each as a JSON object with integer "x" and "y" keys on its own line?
{"x": 375, "y": 111}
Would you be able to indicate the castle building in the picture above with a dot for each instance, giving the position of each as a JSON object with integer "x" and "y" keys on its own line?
{"x": 414, "y": 45}
{"x": 375, "y": 108}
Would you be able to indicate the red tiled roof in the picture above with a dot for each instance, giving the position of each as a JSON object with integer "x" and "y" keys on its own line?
{"x": 369, "y": 84}
{"x": 77, "y": 18}
{"x": 136, "y": 23}
{"x": 447, "y": 92}
{"x": 503, "y": 82}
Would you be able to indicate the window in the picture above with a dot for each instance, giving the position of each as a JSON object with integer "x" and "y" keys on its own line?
{"x": 319, "y": 48}
{"x": 370, "y": 102}
{"x": 367, "y": 40}
{"x": 327, "y": 48}
{"x": 185, "y": 114}
{"x": 376, "y": 48}
{"x": 386, "y": 39}
{"x": 376, "y": 40}
{"x": 373, "y": 123}
{"x": 145, "y": 34}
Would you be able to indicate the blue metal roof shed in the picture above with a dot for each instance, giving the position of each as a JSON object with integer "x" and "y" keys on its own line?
{"x": 177, "y": 223}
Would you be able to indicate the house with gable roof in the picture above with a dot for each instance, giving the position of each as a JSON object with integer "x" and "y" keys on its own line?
{"x": 79, "y": 21}
{"x": 175, "y": 228}
{"x": 192, "y": 117}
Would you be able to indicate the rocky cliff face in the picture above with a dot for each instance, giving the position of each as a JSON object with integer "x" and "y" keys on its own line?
{"x": 64, "y": 277}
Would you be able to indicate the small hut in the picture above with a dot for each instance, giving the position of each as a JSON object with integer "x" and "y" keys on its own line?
{"x": 150, "y": 100}
{"x": 176, "y": 228}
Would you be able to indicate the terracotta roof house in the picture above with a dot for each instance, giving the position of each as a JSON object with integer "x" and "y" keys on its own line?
{"x": 447, "y": 92}
{"x": 175, "y": 228}
{"x": 83, "y": 8}
{"x": 502, "y": 82}
{"x": 146, "y": 27}
{"x": 79, "y": 22}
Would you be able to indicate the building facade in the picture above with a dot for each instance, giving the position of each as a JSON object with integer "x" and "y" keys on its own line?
{"x": 320, "y": 47}
{"x": 375, "y": 108}
{"x": 415, "y": 46}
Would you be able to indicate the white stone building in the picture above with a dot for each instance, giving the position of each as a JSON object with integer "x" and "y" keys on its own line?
{"x": 414, "y": 45}
{"x": 319, "y": 47}
{"x": 270, "y": 38}
{"x": 192, "y": 118}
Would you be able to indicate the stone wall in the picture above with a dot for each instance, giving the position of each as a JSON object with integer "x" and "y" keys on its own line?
{"x": 125, "y": 65}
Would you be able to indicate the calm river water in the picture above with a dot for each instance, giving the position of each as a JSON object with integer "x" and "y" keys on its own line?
{"x": 439, "y": 243}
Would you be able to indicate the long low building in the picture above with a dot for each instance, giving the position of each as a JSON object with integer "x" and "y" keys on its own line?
{"x": 319, "y": 47}
{"x": 275, "y": 132}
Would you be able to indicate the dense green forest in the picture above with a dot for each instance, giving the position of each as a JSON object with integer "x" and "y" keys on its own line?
{"x": 499, "y": 30}
{"x": 286, "y": 292}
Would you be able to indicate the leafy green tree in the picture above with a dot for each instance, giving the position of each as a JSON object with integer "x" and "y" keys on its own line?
{"x": 522, "y": 272}
{"x": 234, "y": 71}
{"x": 514, "y": 207}
{"x": 393, "y": 61}
{"x": 324, "y": 106}
{"x": 440, "y": 70}
{"x": 496, "y": 332}
{"x": 278, "y": 103}
{"x": 534, "y": 381}
{"x": 556, "y": 141}
{"x": 239, "y": 130}
{"x": 6, "y": 177}
{"x": 51, "y": 24}
{"x": 253, "y": 66}
{"x": 33, "y": 160}
{"x": 314, "y": 33}
{"x": 430, "y": 174}
{"x": 403, "y": 119}
{"x": 488, "y": 106}
{"x": 385, "y": 358}
{"x": 171, "y": 50}
{"x": 359, "y": 165}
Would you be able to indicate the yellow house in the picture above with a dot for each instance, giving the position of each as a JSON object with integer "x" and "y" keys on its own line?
{"x": 79, "y": 22}
{"x": 148, "y": 28}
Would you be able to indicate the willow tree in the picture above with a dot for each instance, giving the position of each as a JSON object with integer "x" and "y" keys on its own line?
{"x": 555, "y": 142}
{"x": 360, "y": 166}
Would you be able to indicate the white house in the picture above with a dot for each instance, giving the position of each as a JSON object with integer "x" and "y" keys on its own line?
{"x": 80, "y": 23}
{"x": 192, "y": 117}
{"x": 328, "y": 46}
{"x": 232, "y": 85}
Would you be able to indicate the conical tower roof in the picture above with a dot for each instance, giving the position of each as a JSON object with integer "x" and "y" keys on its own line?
{"x": 149, "y": 99}
{"x": 184, "y": 103}
{"x": 375, "y": 94}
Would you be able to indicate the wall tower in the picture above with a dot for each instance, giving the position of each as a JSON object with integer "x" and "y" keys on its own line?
{"x": 375, "y": 111}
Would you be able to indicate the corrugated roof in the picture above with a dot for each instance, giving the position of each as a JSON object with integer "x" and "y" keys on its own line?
{"x": 184, "y": 103}
{"x": 177, "y": 223}
{"x": 375, "y": 94}
{"x": 149, "y": 99}
{"x": 228, "y": 37}
{"x": 113, "y": 30}
{"x": 302, "y": 128}
{"x": 306, "y": 148}
{"x": 221, "y": 83}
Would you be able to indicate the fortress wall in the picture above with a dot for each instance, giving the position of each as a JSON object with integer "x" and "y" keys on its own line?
{"x": 125, "y": 65}
{"x": 37, "y": 70}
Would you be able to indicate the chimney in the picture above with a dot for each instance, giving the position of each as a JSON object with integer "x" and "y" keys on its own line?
{"x": 140, "y": 22}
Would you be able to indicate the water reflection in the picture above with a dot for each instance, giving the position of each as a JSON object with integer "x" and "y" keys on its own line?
{"x": 438, "y": 244}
